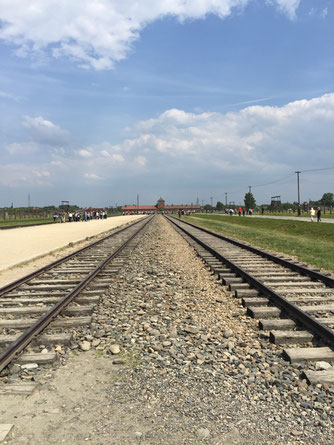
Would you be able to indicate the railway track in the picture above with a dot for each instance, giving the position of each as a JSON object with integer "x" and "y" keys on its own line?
{"x": 293, "y": 302}
{"x": 41, "y": 309}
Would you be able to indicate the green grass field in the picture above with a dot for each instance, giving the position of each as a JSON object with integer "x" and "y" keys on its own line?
{"x": 295, "y": 215}
{"x": 24, "y": 222}
{"x": 312, "y": 243}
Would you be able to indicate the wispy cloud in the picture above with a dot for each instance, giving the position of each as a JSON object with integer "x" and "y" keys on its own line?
{"x": 10, "y": 96}
{"x": 92, "y": 176}
{"x": 248, "y": 102}
{"x": 289, "y": 7}
{"x": 316, "y": 12}
{"x": 20, "y": 148}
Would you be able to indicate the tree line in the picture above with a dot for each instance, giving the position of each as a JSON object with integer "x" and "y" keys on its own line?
{"x": 327, "y": 200}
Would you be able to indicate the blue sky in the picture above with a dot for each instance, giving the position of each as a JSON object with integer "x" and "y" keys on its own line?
{"x": 182, "y": 99}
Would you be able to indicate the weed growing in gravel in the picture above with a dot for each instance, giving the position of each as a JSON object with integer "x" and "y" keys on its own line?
{"x": 128, "y": 358}
{"x": 100, "y": 353}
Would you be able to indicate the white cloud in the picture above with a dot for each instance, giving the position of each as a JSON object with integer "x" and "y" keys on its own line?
{"x": 85, "y": 153}
{"x": 99, "y": 33}
{"x": 259, "y": 142}
{"x": 104, "y": 152}
{"x": 58, "y": 164}
{"x": 45, "y": 132}
{"x": 18, "y": 175}
{"x": 117, "y": 158}
{"x": 141, "y": 161}
{"x": 5, "y": 95}
{"x": 289, "y": 7}
{"x": 41, "y": 173}
{"x": 324, "y": 13}
{"x": 258, "y": 137}
{"x": 92, "y": 176}
{"x": 22, "y": 148}
{"x": 315, "y": 12}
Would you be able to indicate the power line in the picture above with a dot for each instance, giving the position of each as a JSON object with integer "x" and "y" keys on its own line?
{"x": 263, "y": 185}
{"x": 275, "y": 182}
{"x": 290, "y": 175}
{"x": 317, "y": 169}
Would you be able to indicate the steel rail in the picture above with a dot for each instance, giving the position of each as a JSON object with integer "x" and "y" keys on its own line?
{"x": 295, "y": 267}
{"x": 28, "y": 335}
{"x": 11, "y": 286}
{"x": 294, "y": 311}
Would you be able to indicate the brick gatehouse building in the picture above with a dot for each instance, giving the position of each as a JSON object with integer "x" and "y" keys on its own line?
{"x": 161, "y": 207}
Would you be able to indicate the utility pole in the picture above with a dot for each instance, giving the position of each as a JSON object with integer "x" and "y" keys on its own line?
{"x": 28, "y": 199}
{"x": 298, "y": 188}
{"x": 250, "y": 188}
{"x": 211, "y": 201}
{"x": 225, "y": 199}
{"x": 137, "y": 203}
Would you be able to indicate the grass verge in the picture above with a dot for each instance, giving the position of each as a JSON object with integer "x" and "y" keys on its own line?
{"x": 34, "y": 221}
{"x": 312, "y": 243}
{"x": 25, "y": 222}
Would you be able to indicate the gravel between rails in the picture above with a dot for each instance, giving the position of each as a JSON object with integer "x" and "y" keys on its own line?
{"x": 174, "y": 360}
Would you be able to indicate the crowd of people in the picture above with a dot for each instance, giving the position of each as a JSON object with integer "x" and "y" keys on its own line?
{"x": 84, "y": 215}
{"x": 240, "y": 211}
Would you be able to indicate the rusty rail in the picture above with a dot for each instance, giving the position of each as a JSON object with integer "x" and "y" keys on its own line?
{"x": 294, "y": 311}
{"x": 28, "y": 335}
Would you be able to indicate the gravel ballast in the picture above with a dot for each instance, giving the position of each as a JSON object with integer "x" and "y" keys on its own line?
{"x": 172, "y": 359}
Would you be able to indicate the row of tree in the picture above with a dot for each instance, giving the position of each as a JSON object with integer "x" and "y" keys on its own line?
{"x": 249, "y": 201}
{"x": 327, "y": 200}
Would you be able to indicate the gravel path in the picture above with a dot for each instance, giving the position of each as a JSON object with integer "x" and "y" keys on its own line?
{"x": 173, "y": 360}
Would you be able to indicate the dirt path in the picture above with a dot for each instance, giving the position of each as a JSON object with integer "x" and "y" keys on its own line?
{"x": 39, "y": 245}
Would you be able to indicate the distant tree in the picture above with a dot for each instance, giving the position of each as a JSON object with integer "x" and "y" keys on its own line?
{"x": 249, "y": 201}
{"x": 219, "y": 206}
{"x": 49, "y": 208}
{"x": 208, "y": 208}
{"x": 327, "y": 199}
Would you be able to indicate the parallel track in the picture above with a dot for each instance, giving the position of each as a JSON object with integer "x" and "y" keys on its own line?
{"x": 295, "y": 303}
{"x": 78, "y": 278}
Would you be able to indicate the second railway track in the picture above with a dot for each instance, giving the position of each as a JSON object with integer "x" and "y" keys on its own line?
{"x": 294, "y": 303}
{"x": 41, "y": 309}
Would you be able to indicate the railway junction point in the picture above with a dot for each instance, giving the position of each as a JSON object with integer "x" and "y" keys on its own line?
{"x": 24, "y": 244}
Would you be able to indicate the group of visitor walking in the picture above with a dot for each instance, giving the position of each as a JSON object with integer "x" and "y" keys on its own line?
{"x": 84, "y": 215}
{"x": 312, "y": 214}
{"x": 241, "y": 211}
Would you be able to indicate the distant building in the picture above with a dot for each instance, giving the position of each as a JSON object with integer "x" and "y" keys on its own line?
{"x": 161, "y": 207}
